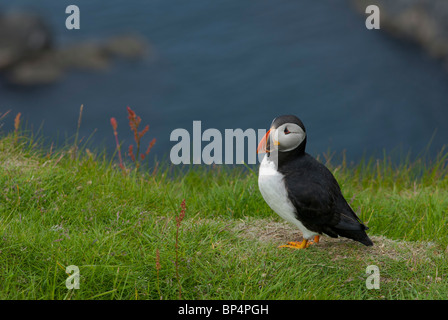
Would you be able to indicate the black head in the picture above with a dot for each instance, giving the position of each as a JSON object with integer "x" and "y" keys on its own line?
{"x": 287, "y": 119}
{"x": 287, "y": 136}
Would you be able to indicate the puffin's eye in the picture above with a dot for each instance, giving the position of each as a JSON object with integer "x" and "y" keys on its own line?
{"x": 286, "y": 131}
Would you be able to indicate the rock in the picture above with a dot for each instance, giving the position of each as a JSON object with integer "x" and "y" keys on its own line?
{"x": 40, "y": 70}
{"x": 84, "y": 56}
{"x": 127, "y": 46}
{"x": 27, "y": 56}
{"x": 22, "y": 36}
{"x": 422, "y": 21}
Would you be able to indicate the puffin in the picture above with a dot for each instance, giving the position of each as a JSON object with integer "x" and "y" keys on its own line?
{"x": 302, "y": 190}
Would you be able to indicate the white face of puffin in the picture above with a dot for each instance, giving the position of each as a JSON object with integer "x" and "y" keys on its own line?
{"x": 287, "y": 137}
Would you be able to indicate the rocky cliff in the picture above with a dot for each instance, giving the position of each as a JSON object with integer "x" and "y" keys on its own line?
{"x": 29, "y": 56}
{"x": 422, "y": 21}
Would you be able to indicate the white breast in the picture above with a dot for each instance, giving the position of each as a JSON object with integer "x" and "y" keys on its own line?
{"x": 273, "y": 190}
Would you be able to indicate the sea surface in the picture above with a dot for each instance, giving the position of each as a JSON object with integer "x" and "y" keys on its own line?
{"x": 238, "y": 64}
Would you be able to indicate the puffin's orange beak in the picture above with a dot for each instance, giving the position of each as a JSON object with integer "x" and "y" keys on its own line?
{"x": 264, "y": 143}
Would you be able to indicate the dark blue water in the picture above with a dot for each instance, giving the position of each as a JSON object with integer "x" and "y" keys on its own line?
{"x": 238, "y": 64}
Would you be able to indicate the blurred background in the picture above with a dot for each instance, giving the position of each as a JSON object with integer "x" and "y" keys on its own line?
{"x": 230, "y": 64}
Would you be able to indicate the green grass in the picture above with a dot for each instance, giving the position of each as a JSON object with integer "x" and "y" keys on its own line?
{"x": 59, "y": 209}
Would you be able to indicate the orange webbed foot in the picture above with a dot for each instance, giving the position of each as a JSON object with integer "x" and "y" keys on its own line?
{"x": 300, "y": 245}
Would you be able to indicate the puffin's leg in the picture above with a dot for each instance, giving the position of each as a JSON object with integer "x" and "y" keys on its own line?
{"x": 301, "y": 245}
{"x": 297, "y": 245}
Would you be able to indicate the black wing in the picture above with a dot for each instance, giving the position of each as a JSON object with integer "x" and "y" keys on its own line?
{"x": 320, "y": 205}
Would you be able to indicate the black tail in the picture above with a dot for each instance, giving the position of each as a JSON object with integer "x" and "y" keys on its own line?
{"x": 350, "y": 226}
{"x": 357, "y": 235}
{"x": 365, "y": 240}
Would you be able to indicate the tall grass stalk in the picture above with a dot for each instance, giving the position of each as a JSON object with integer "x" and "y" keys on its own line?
{"x": 179, "y": 220}
{"x": 75, "y": 143}
{"x": 16, "y": 127}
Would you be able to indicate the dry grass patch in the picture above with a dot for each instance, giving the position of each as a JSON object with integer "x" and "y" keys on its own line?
{"x": 279, "y": 233}
{"x": 13, "y": 160}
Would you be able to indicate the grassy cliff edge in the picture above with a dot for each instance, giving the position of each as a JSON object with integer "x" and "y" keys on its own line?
{"x": 126, "y": 234}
